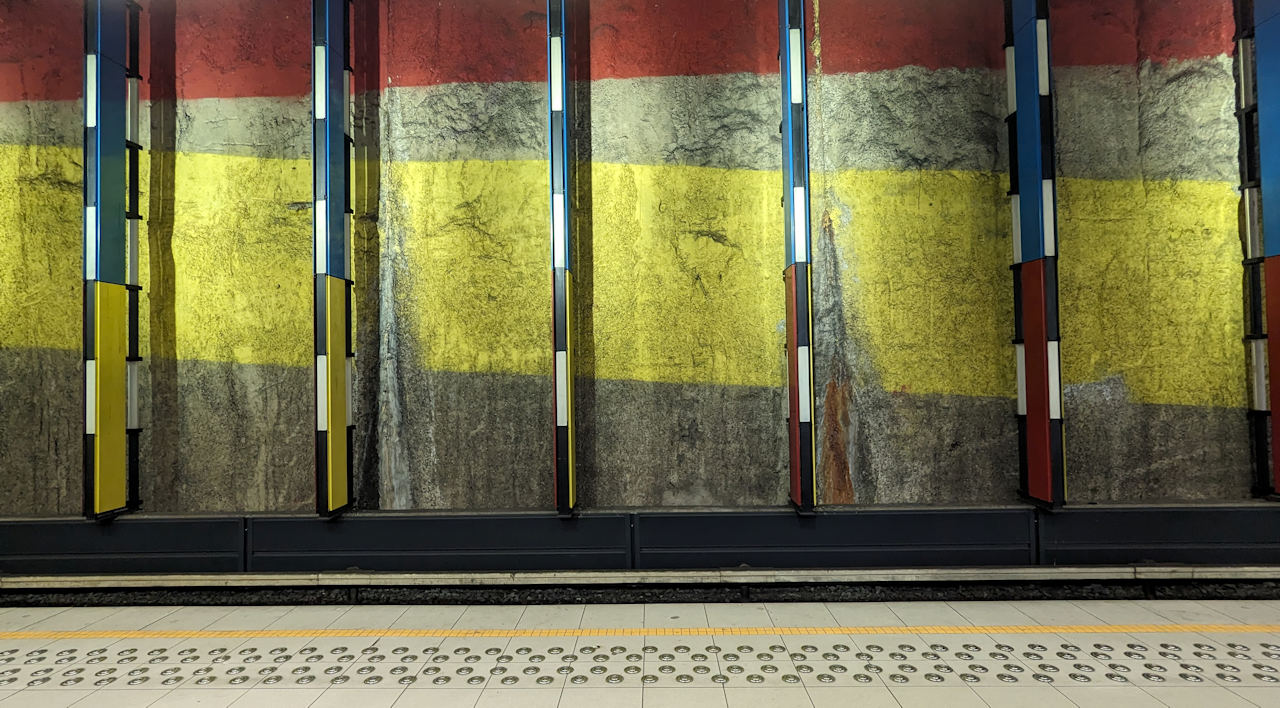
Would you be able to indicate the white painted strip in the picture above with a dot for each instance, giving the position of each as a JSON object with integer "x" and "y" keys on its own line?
{"x": 1021, "y": 353}
{"x": 319, "y": 91}
{"x": 800, "y": 225}
{"x": 91, "y": 397}
{"x": 133, "y": 251}
{"x": 1016, "y": 202}
{"x": 322, "y": 393}
{"x": 132, "y": 110}
{"x": 322, "y": 236}
{"x": 1011, "y": 81}
{"x": 1055, "y": 383}
{"x": 91, "y": 90}
{"x": 1050, "y": 228}
{"x": 1253, "y": 224}
{"x": 347, "y": 226}
{"x": 1042, "y": 55}
{"x": 347, "y": 121}
{"x": 91, "y": 243}
{"x": 557, "y": 231}
{"x": 132, "y": 419}
{"x": 795, "y": 54}
{"x": 351, "y": 390}
{"x": 562, "y": 388}
{"x": 1258, "y": 366}
{"x": 804, "y": 384}
{"x": 557, "y": 75}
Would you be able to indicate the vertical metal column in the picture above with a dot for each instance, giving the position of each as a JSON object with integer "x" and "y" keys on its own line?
{"x": 795, "y": 203}
{"x": 331, "y": 162}
{"x": 1035, "y": 239}
{"x": 561, "y": 254}
{"x": 1258, "y": 104}
{"x": 111, "y": 219}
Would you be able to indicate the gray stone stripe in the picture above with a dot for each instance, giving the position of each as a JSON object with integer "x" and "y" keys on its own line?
{"x": 1161, "y": 121}
{"x": 1155, "y": 121}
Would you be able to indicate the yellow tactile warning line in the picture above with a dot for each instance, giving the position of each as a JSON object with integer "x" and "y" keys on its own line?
{"x": 648, "y": 632}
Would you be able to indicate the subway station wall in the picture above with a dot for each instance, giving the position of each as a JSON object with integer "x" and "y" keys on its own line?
{"x": 681, "y": 392}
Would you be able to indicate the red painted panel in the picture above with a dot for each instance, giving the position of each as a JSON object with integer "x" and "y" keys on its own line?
{"x": 239, "y": 48}
{"x": 1096, "y": 32}
{"x": 875, "y": 35}
{"x": 1271, "y": 274}
{"x": 1035, "y": 337}
{"x": 793, "y": 379}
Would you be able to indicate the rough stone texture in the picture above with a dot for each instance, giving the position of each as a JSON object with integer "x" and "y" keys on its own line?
{"x": 899, "y": 225}
{"x": 1150, "y": 279}
{"x": 1119, "y": 450}
{"x": 41, "y": 442}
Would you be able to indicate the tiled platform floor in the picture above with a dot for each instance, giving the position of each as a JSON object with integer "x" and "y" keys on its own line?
{"x": 933, "y": 654}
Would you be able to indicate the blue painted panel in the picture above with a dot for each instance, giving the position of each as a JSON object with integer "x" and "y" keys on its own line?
{"x": 113, "y": 172}
{"x": 112, "y": 21}
{"x": 1030, "y": 159}
{"x": 332, "y": 151}
{"x": 1024, "y": 11}
{"x": 1264, "y": 10}
{"x": 795, "y": 130}
{"x": 1267, "y": 48}
{"x": 558, "y": 26}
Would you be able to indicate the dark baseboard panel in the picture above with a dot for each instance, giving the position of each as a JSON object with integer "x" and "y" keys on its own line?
{"x": 126, "y": 545}
{"x": 423, "y": 542}
{"x": 878, "y": 538}
{"x": 1247, "y": 534}
{"x": 646, "y": 540}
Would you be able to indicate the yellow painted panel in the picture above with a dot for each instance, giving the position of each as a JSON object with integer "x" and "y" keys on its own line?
{"x": 110, "y": 338}
{"x": 925, "y": 257}
{"x": 1151, "y": 289}
{"x": 336, "y": 385}
{"x": 569, "y": 366}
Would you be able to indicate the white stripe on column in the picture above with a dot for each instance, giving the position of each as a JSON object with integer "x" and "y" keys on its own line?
{"x": 1252, "y": 223}
{"x": 351, "y": 389}
{"x": 91, "y": 397}
{"x": 1011, "y": 81}
{"x": 557, "y": 75}
{"x": 346, "y": 235}
{"x": 346, "y": 104}
{"x": 795, "y": 54}
{"x": 133, "y": 251}
{"x": 132, "y": 109}
{"x": 91, "y": 90}
{"x": 557, "y": 231}
{"x": 1258, "y": 348}
{"x": 562, "y": 388}
{"x": 1042, "y": 55}
{"x": 319, "y": 89}
{"x": 1055, "y": 383}
{"x": 322, "y": 235}
{"x": 1016, "y": 202}
{"x": 1021, "y": 352}
{"x": 91, "y": 243}
{"x": 804, "y": 384}
{"x": 322, "y": 393}
{"x": 132, "y": 420}
{"x": 1049, "y": 229}
{"x": 799, "y": 225}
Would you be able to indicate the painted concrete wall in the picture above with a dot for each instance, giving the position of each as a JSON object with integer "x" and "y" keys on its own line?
{"x": 681, "y": 391}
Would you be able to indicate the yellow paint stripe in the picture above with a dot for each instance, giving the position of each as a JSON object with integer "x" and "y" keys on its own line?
{"x": 110, "y": 339}
{"x": 687, "y": 262}
{"x": 648, "y": 632}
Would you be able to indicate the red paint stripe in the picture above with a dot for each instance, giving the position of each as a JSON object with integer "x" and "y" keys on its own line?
{"x": 876, "y": 35}
{"x": 1104, "y": 32}
{"x": 242, "y": 48}
{"x": 1271, "y": 274}
{"x": 41, "y": 50}
{"x": 1035, "y": 337}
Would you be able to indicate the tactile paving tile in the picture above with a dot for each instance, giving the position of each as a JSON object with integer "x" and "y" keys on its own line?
{"x": 637, "y": 662}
